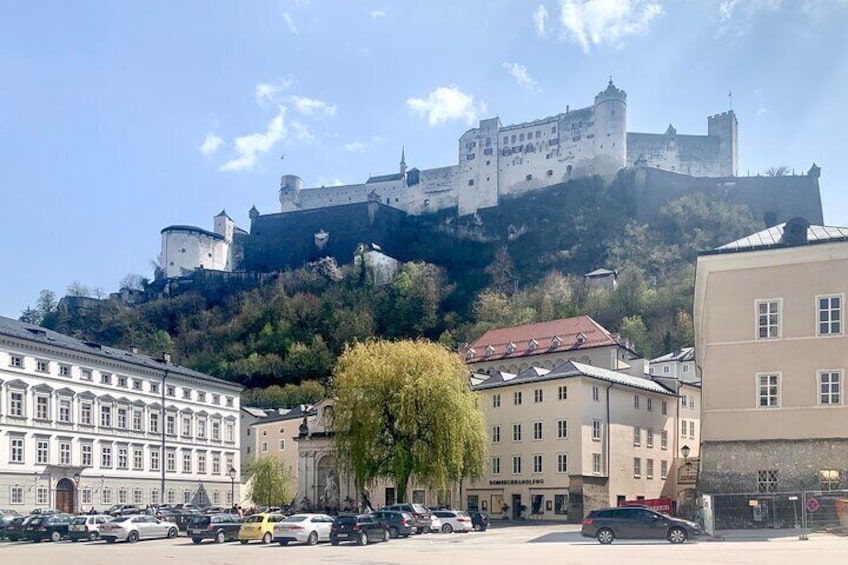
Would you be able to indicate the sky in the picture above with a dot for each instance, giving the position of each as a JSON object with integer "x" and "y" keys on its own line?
{"x": 120, "y": 118}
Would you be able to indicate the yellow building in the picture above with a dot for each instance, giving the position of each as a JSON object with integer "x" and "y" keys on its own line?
{"x": 771, "y": 347}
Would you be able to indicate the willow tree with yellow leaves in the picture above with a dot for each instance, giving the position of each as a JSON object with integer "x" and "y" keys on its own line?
{"x": 404, "y": 411}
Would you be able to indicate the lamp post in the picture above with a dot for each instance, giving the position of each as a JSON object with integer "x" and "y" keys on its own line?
{"x": 232, "y": 474}
{"x": 76, "y": 504}
{"x": 685, "y": 451}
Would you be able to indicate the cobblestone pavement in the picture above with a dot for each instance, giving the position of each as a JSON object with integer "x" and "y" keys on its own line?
{"x": 516, "y": 545}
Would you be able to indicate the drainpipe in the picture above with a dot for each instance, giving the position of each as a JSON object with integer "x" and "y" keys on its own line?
{"x": 607, "y": 433}
{"x": 163, "y": 418}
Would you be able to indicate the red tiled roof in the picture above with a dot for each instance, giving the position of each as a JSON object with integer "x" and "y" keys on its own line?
{"x": 567, "y": 331}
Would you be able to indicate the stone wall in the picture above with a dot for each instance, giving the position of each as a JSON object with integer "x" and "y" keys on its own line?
{"x": 731, "y": 467}
{"x": 696, "y": 155}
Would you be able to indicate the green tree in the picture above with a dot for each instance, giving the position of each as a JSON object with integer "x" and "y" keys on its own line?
{"x": 404, "y": 409}
{"x": 633, "y": 328}
{"x": 270, "y": 482}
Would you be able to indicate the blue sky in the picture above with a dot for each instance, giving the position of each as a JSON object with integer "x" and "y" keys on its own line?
{"x": 119, "y": 118}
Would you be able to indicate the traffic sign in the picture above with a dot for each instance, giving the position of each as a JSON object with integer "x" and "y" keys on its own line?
{"x": 813, "y": 504}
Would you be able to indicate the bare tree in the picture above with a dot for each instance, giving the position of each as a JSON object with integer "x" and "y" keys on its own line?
{"x": 777, "y": 171}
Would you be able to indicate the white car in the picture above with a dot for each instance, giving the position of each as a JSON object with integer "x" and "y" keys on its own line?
{"x": 86, "y": 527}
{"x": 303, "y": 528}
{"x": 137, "y": 527}
{"x": 454, "y": 521}
{"x": 435, "y": 524}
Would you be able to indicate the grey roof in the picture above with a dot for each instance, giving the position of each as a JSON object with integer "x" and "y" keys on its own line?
{"x": 30, "y": 332}
{"x": 384, "y": 178}
{"x": 773, "y": 238}
{"x": 224, "y": 214}
{"x": 208, "y": 233}
{"x": 567, "y": 370}
{"x": 600, "y": 273}
{"x": 295, "y": 413}
{"x": 682, "y": 354}
{"x": 254, "y": 411}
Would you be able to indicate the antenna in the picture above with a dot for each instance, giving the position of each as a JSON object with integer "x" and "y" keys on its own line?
{"x": 730, "y": 97}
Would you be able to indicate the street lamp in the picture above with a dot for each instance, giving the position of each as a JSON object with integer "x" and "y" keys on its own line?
{"x": 233, "y": 474}
{"x": 685, "y": 451}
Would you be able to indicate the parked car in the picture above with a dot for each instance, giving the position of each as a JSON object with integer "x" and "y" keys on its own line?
{"x": 419, "y": 513}
{"x": 479, "y": 521}
{"x": 400, "y": 524}
{"x": 53, "y": 527}
{"x": 259, "y": 527}
{"x": 45, "y": 511}
{"x": 360, "y": 529}
{"x": 221, "y": 527}
{"x": 87, "y": 527}
{"x": 14, "y": 530}
{"x": 435, "y": 525}
{"x": 137, "y": 527}
{"x": 454, "y": 521}
{"x": 123, "y": 510}
{"x": 303, "y": 528}
{"x": 607, "y": 524}
{"x": 215, "y": 510}
{"x": 7, "y": 516}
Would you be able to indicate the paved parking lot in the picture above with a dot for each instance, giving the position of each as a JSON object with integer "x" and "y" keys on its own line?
{"x": 503, "y": 546}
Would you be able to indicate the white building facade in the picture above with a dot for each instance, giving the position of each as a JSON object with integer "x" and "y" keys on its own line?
{"x": 186, "y": 248}
{"x": 84, "y": 425}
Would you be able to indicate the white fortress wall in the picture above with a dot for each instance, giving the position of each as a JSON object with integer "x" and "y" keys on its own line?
{"x": 185, "y": 250}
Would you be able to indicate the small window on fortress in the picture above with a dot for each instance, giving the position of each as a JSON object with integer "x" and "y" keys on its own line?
{"x": 529, "y": 177}
{"x": 488, "y": 142}
{"x": 182, "y": 250}
{"x": 538, "y": 134}
{"x": 521, "y": 137}
{"x": 488, "y": 162}
{"x": 506, "y": 139}
{"x": 210, "y": 255}
{"x": 568, "y": 169}
{"x": 550, "y": 172}
{"x": 470, "y": 157}
{"x": 553, "y": 129}
{"x": 513, "y": 138}
{"x": 471, "y": 182}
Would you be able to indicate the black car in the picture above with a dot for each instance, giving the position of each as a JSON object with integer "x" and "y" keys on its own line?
{"x": 479, "y": 521}
{"x": 53, "y": 527}
{"x": 219, "y": 527}
{"x": 360, "y": 529}
{"x": 607, "y": 524}
{"x": 400, "y": 524}
{"x": 14, "y": 530}
{"x": 123, "y": 510}
{"x": 420, "y": 513}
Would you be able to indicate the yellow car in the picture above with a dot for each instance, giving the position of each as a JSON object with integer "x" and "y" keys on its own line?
{"x": 259, "y": 527}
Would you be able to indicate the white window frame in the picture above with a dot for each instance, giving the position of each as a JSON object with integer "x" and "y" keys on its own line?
{"x": 516, "y": 433}
{"x": 830, "y": 321}
{"x": 538, "y": 431}
{"x": 66, "y": 407}
{"x": 538, "y": 395}
{"x": 562, "y": 428}
{"x": 537, "y": 464}
{"x": 759, "y": 397}
{"x": 517, "y": 398}
{"x": 597, "y": 430}
{"x": 42, "y": 495}
{"x": 778, "y": 313}
{"x": 597, "y": 467}
{"x": 562, "y": 463}
{"x": 663, "y": 469}
{"x": 596, "y": 393}
{"x": 664, "y": 439}
{"x": 65, "y": 453}
{"x": 649, "y": 468}
{"x": 496, "y": 465}
{"x": 637, "y": 467}
{"x": 649, "y": 438}
{"x": 562, "y": 392}
{"x": 496, "y": 434}
{"x": 820, "y": 394}
{"x": 637, "y": 436}
{"x": 17, "y": 449}
{"x": 42, "y": 451}
{"x": 42, "y": 407}
{"x": 516, "y": 464}
{"x": 87, "y": 454}
{"x": 155, "y": 459}
{"x": 16, "y": 495}
{"x": 17, "y": 408}
{"x": 496, "y": 401}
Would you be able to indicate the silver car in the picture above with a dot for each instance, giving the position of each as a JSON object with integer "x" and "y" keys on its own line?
{"x": 136, "y": 527}
{"x": 303, "y": 528}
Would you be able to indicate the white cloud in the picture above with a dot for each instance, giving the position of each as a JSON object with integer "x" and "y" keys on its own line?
{"x": 521, "y": 76}
{"x": 599, "y": 22}
{"x": 248, "y": 147}
{"x": 330, "y": 181}
{"x": 302, "y": 134}
{"x": 376, "y": 14}
{"x": 290, "y": 23}
{"x": 310, "y": 106}
{"x": 728, "y": 8}
{"x": 540, "y": 20}
{"x": 355, "y": 147}
{"x": 445, "y": 104}
{"x": 266, "y": 92}
{"x": 211, "y": 144}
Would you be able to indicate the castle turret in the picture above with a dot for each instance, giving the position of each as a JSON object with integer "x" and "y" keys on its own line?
{"x": 253, "y": 213}
{"x": 611, "y": 126}
{"x": 290, "y": 186}
{"x": 725, "y": 127}
{"x": 403, "y": 161}
{"x": 224, "y": 226}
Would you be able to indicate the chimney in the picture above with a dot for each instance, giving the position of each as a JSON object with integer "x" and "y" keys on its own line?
{"x": 133, "y": 349}
{"x": 166, "y": 358}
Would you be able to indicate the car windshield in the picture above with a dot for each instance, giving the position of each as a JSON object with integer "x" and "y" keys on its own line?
{"x": 79, "y": 520}
{"x": 199, "y": 520}
{"x": 296, "y": 518}
{"x": 346, "y": 520}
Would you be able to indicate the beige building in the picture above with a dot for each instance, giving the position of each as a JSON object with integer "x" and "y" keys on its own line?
{"x": 571, "y": 439}
{"x": 550, "y": 344}
{"x": 771, "y": 345}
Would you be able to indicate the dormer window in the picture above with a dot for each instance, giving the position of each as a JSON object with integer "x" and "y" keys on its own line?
{"x": 532, "y": 345}
{"x": 581, "y": 338}
{"x": 470, "y": 354}
{"x": 489, "y": 350}
{"x": 510, "y": 348}
{"x": 556, "y": 341}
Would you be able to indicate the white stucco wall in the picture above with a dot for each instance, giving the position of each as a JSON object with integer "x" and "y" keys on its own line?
{"x": 186, "y": 250}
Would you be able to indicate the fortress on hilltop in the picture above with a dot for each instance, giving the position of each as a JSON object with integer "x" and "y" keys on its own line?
{"x": 495, "y": 163}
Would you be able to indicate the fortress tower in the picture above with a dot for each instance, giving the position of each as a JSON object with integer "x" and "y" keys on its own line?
{"x": 290, "y": 187}
{"x": 725, "y": 127}
{"x": 611, "y": 127}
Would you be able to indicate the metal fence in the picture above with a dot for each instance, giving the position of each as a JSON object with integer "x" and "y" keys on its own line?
{"x": 807, "y": 510}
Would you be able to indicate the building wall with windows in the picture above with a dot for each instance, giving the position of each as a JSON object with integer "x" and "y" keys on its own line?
{"x": 770, "y": 339}
{"x": 275, "y": 436}
{"x": 70, "y": 409}
{"x": 566, "y": 441}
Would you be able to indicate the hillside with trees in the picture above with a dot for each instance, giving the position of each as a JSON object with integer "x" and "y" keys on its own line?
{"x": 292, "y": 329}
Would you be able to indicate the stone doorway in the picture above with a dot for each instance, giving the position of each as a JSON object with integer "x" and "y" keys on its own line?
{"x": 65, "y": 494}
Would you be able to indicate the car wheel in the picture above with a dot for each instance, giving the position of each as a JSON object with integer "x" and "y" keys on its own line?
{"x": 132, "y": 537}
{"x": 605, "y": 536}
{"x": 362, "y": 539}
{"x": 283, "y": 542}
{"x": 312, "y": 539}
{"x": 74, "y": 540}
{"x": 196, "y": 540}
{"x": 220, "y": 537}
{"x": 447, "y": 528}
{"x": 677, "y": 535}
{"x": 334, "y": 541}
{"x": 393, "y": 533}
{"x": 242, "y": 541}
{"x": 386, "y": 535}
{"x": 92, "y": 536}
{"x": 266, "y": 539}
{"x": 478, "y": 528}
{"x": 172, "y": 533}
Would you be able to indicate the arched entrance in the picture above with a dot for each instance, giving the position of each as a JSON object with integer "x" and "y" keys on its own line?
{"x": 687, "y": 504}
{"x": 65, "y": 494}
{"x": 327, "y": 484}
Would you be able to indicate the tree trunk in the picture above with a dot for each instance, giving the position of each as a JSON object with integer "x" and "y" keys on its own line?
{"x": 402, "y": 484}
